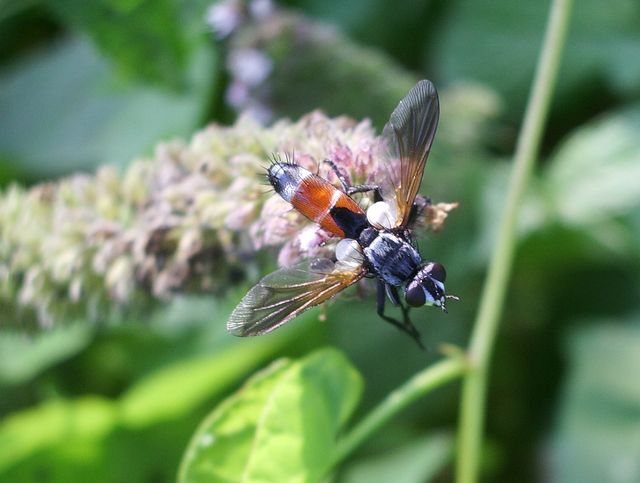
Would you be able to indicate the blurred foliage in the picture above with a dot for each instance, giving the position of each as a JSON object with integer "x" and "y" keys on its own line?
{"x": 23, "y": 357}
{"x": 67, "y": 103}
{"x": 411, "y": 461}
{"x": 82, "y": 84}
{"x": 154, "y": 39}
{"x": 53, "y": 123}
{"x": 598, "y": 433}
{"x": 94, "y": 438}
{"x": 299, "y": 49}
{"x": 592, "y": 177}
{"x": 602, "y": 40}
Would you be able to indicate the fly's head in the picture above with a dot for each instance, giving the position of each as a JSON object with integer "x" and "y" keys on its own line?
{"x": 427, "y": 287}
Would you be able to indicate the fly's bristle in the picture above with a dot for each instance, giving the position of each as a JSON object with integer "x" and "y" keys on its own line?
{"x": 263, "y": 174}
{"x": 274, "y": 158}
{"x": 277, "y": 158}
{"x": 290, "y": 158}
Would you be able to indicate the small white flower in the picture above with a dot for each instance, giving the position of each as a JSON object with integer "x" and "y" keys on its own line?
{"x": 237, "y": 94}
{"x": 250, "y": 66}
{"x": 261, "y": 9}
{"x": 261, "y": 113}
{"x": 224, "y": 17}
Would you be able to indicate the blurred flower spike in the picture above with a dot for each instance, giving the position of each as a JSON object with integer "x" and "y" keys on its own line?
{"x": 190, "y": 219}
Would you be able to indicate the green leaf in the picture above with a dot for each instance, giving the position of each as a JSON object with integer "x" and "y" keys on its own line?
{"x": 594, "y": 174}
{"x": 51, "y": 425}
{"x": 64, "y": 109}
{"x": 419, "y": 461}
{"x": 598, "y": 435}
{"x": 149, "y": 40}
{"x": 281, "y": 426}
{"x": 221, "y": 447}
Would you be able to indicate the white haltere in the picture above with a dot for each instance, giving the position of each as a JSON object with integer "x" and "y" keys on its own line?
{"x": 383, "y": 215}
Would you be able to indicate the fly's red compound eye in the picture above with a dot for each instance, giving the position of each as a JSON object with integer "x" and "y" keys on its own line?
{"x": 415, "y": 295}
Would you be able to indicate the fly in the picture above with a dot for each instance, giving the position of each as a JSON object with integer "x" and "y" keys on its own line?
{"x": 377, "y": 243}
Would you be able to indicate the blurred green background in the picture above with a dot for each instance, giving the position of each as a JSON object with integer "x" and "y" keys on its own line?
{"x": 84, "y": 84}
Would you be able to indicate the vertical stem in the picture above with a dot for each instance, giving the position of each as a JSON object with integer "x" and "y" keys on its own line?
{"x": 472, "y": 406}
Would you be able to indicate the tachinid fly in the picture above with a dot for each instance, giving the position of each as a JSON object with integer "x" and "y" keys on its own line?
{"x": 376, "y": 244}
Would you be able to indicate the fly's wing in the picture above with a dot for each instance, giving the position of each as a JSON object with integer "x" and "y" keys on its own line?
{"x": 408, "y": 137}
{"x": 286, "y": 293}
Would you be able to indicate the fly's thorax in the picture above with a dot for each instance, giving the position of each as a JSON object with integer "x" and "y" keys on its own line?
{"x": 367, "y": 236}
{"x": 392, "y": 258}
{"x": 427, "y": 286}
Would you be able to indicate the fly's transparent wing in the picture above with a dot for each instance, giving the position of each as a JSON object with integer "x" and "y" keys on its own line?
{"x": 286, "y": 293}
{"x": 408, "y": 137}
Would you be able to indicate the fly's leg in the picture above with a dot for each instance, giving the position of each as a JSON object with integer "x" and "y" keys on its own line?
{"x": 411, "y": 329}
{"x": 365, "y": 188}
{"x": 405, "y": 326}
{"x": 349, "y": 188}
{"x": 344, "y": 181}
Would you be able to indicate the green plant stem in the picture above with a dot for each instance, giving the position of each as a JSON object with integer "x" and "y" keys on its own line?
{"x": 473, "y": 402}
{"x": 426, "y": 380}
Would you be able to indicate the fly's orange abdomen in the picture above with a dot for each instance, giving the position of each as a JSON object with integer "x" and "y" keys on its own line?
{"x": 317, "y": 199}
